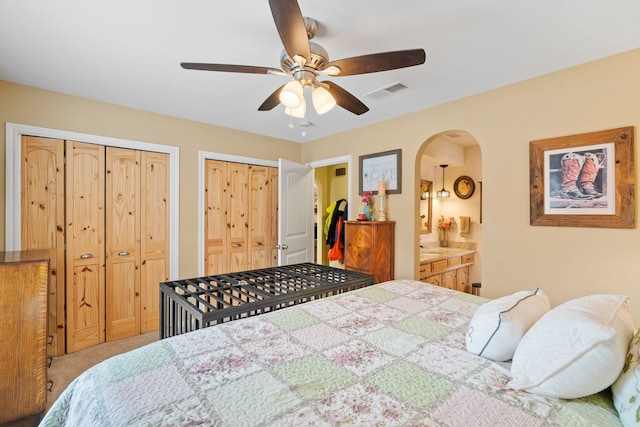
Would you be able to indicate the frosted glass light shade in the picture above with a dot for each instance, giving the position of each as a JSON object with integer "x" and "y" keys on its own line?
{"x": 443, "y": 194}
{"x": 291, "y": 94}
{"x": 322, "y": 100}
{"x": 297, "y": 112}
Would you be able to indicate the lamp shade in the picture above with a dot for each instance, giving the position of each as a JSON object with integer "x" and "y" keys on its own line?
{"x": 443, "y": 193}
{"x": 297, "y": 112}
{"x": 323, "y": 101}
{"x": 291, "y": 94}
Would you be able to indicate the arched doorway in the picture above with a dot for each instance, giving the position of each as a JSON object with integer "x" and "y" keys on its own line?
{"x": 460, "y": 152}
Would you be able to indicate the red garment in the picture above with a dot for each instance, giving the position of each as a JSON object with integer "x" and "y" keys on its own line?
{"x": 335, "y": 253}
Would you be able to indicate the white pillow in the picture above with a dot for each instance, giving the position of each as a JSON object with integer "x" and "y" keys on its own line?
{"x": 626, "y": 389}
{"x": 576, "y": 349}
{"x": 498, "y": 325}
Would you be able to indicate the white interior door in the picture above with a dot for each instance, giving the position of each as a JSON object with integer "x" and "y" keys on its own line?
{"x": 295, "y": 215}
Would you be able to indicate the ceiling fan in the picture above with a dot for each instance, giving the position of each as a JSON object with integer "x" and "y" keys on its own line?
{"x": 305, "y": 61}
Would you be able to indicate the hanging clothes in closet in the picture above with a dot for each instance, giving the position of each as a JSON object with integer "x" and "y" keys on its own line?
{"x": 334, "y": 228}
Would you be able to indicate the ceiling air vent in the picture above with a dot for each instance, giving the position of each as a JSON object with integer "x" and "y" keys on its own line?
{"x": 387, "y": 90}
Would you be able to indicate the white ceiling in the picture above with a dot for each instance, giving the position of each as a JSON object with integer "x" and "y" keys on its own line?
{"x": 128, "y": 52}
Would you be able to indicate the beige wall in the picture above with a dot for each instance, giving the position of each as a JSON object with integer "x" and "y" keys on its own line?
{"x": 30, "y": 106}
{"x": 565, "y": 262}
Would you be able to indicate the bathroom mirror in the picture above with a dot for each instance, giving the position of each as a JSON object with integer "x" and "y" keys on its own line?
{"x": 426, "y": 197}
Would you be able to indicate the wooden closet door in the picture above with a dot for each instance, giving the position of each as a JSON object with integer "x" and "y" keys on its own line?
{"x": 42, "y": 217}
{"x": 154, "y": 239}
{"x": 273, "y": 216}
{"x": 259, "y": 217}
{"x": 237, "y": 217}
{"x": 215, "y": 216}
{"x": 122, "y": 243}
{"x": 85, "y": 245}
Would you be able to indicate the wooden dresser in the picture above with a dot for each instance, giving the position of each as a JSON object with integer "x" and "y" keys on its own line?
{"x": 23, "y": 336}
{"x": 369, "y": 248}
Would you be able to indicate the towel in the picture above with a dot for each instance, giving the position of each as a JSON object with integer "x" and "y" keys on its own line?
{"x": 465, "y": 224}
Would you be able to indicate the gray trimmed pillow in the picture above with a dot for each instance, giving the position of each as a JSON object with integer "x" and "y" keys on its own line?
{"x": 576, "y": 349}
{"x": 498, "y": 325}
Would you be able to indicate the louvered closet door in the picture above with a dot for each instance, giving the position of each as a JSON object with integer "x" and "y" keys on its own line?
{"x": 85, "y": 245}
{"x": 122, "y": 243}
{"x": 215, "y": 216}
{"x": 154, "y": 239}
{"x": 42, "y": 216}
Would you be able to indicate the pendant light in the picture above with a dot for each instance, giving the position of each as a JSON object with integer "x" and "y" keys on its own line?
{"x": 443, "y": 194}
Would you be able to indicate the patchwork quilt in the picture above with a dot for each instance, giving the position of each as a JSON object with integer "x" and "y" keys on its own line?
{"x": 391, "y": 354}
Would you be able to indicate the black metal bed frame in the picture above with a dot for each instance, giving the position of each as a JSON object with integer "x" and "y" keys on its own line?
{"x": 190, "y": 304}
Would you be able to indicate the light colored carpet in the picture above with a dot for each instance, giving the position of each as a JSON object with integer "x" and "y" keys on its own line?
{"x": 66, "y": 368}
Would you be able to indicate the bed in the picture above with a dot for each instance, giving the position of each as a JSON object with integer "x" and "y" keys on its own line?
{"x": 385, "y": 355}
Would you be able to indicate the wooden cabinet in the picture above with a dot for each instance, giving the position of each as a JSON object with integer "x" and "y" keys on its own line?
{"x": 369, "y": 248}
{"x": 240, "y": 217}
{"x": 450, "y": 272}
{"x": 23, "y": 336}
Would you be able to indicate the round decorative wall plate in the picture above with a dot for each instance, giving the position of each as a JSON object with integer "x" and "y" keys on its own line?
{"x": 464, "y": 187}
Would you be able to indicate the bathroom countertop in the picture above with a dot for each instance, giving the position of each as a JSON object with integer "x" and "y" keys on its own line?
{"x": 437, "y": 253}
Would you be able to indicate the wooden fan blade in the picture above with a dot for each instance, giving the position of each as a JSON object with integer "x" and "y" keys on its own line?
{"x": 379, "y": 62}
{"x": 290, "y": 24}
{"x": 345, "y": 99}
{"x": 229, "y": 68}
{"x": 271, "y": 101}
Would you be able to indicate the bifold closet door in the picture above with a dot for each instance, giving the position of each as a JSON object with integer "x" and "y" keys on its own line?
{"x": 241, "y": 217}
{"x": 137, "y": 240}
{"x": 259, "y": 218}
{"x": 226, "y": 217}
{"x": 42, "y": 218}
{"x": 273, "y": 215}
{"x": 215, "y": 216}
{"x": 122, "y": 243}
{"x": 154, "y": 235}
{"x": 236, "y": 256}
{"x": 85, "y": 245}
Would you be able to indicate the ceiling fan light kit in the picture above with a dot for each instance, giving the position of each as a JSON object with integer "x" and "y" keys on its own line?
{"x": 299, "y": 112}
{"x": 323, "y": 102}
{"x": 305, "y": 61}
{"x": 291, "y": 94}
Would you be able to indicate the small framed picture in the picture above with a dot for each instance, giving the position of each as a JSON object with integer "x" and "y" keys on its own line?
{"x": 385, "y": 166}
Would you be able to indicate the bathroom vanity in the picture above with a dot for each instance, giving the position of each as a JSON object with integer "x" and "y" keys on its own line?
{"x": 447, "y": 267}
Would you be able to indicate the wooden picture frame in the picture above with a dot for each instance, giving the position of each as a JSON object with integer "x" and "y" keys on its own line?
{"x": 584, "y": 180}
{"x": 385, "y": 166}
